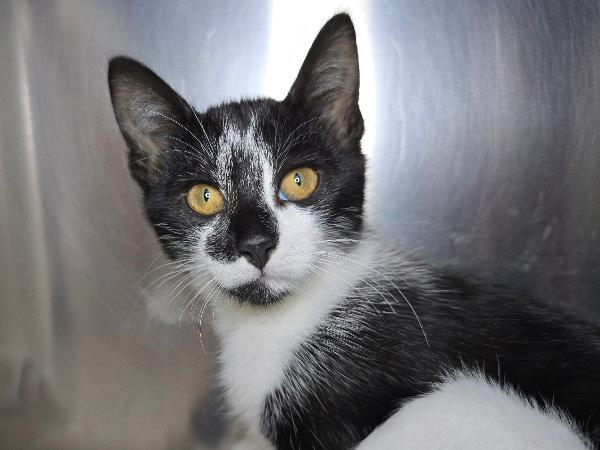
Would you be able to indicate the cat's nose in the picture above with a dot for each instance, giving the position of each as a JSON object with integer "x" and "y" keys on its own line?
{"x": 257, "y": 249}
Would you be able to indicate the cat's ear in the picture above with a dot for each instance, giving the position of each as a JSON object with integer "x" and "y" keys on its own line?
{"x": 328, "y": 82}
{"x": 147, "y": 110}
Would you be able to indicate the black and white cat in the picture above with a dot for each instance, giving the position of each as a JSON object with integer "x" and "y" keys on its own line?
{"x": 330, "y": 337}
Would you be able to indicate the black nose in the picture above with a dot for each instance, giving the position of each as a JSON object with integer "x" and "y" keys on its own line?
{"x": 257, "y": 249}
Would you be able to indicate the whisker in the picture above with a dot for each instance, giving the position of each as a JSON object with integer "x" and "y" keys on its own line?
{"x": 166, "y": 277}
{"x": 170, "y": 263}
{"x": 345, "y": 257}
{"x": 201, "y": 126}
{"x": 195, "y": 296}
{"x": 281, "y": 154}
{"x": 206, "y": 302}
{"x": 164, "y": 116}
{"x": 328, "y": 272}
{"x": 323, "y": 261}
{"x": 195, "y": 156}
{"x": 210, "y": 143}
{"x": 171, "y": 298}
{"x": 192, "y": 274}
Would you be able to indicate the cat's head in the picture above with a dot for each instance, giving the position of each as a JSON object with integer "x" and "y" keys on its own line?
{"x": 250, "y": 194}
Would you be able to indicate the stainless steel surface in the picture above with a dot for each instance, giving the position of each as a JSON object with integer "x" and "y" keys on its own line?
{"x": 481, "y": 131}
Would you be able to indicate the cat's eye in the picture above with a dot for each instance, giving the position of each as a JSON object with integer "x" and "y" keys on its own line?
{"x": 298, "y": 184}
{"x": 205, "y": 199}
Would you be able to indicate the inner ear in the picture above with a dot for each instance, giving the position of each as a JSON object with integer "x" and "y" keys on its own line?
{"x": 328, "y": 82}
{"x": 148, "y": 110}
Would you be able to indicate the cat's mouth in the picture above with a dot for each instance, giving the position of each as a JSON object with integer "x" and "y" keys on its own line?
{"x": 258, "y": 292}
{"x": 251, "y": 285}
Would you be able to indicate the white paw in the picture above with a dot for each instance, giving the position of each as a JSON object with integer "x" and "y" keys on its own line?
{"x": 469, "y": 412}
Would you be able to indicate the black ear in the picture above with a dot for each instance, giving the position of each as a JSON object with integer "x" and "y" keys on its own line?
{"x": 328, "y": 82}
{"x": 147, "y": 110}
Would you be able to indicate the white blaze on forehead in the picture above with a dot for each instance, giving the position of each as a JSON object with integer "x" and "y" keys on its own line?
{"x": 248, "y": 150}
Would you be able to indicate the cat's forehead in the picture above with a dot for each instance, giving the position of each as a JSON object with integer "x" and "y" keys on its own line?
{"x": 244, "y": 158}
{"x": 241, "y": 140}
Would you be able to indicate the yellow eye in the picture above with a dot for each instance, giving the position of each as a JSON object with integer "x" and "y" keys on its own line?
{"x": 205, "y": 199}
{"x": 298, "y": 184}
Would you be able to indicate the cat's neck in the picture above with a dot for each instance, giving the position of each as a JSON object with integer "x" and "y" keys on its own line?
{"x": 258, "y": 342}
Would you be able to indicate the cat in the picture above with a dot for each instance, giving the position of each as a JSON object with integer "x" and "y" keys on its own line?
{"x": 330, "y": 338}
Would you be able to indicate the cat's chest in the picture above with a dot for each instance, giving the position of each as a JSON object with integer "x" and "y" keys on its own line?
{"x": 253, "y": 359}
{"x": 258, "y": 346}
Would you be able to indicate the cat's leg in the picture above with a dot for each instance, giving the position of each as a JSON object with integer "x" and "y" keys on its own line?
{"x": 469, "y": 412}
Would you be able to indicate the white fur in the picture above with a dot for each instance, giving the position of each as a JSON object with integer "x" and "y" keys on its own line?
{"x": 299, "y": 238}
{"x": 246, "y": 146}
{"x": 468, "y": 412}
{"x": 258, "y": 343}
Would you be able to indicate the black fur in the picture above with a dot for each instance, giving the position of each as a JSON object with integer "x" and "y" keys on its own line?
{"x": 360, "y": 365}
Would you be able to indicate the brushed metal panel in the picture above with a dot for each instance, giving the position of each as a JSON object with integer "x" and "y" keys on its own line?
{"x": 481, "y": 124}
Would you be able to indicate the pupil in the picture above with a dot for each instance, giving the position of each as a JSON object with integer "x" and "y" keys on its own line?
{"x": 206, "y": 194}
{"x": 297, "y": 179}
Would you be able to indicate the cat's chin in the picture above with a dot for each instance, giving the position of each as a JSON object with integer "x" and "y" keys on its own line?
{"x": 257, "y": 293}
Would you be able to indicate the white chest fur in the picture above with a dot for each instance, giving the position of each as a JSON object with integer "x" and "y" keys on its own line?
{"x": 258, "y": 343}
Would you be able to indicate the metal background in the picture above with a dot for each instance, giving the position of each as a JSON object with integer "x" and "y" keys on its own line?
{"x": 481, "y": 118}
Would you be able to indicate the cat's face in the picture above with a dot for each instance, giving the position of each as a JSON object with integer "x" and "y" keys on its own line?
{"x": 248, "y": 195}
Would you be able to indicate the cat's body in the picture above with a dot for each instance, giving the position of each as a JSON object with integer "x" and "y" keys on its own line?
{"x": 325, "y": 330}
{"x": 328, "y": 359}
